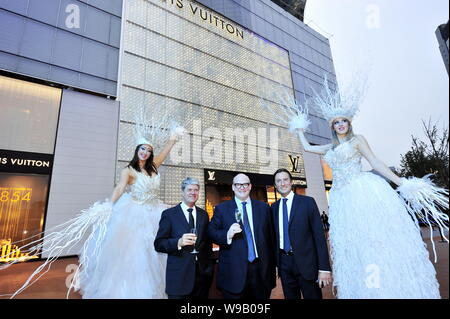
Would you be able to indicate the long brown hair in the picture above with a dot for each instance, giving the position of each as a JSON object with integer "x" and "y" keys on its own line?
{"x": 150, "y": 166}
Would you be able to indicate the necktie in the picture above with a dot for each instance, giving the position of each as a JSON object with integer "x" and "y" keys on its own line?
{"x": 286, "y": 241}
{"x": 191, "y": 218}
{"x": 248, "y": 235}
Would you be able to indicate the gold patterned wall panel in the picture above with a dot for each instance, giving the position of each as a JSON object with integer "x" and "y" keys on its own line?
{"x": 161, "y": 17}
{"x": 190, "y": 88}
{"x": 217, "y": 79}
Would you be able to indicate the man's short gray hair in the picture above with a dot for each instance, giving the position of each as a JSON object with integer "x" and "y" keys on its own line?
{"x": 189, "y": 181}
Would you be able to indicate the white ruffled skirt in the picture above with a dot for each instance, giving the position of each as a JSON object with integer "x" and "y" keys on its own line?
{"x": 376, "y": 248}
{"x": 126, "y": 264}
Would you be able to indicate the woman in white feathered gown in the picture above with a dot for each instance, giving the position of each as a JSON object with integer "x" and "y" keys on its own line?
{"x": 126, "y": 264}
{"x": 376, "y": 245}
{"x": 118, "y": 259}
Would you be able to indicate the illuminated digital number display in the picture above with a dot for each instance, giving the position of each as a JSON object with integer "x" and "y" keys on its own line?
{"x": 23, "y": 200}
{"x": 15, "y": 194}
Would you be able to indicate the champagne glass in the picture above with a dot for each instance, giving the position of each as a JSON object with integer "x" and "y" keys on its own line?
{"x": 194, "y": 231}
{"x": 238, "y": 215}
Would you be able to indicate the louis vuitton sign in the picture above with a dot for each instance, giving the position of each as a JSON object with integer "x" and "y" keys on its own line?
{"x": 220, "y": 177}
{"x": 297, "y": 170}
{"x": 206, "y": 16}
{"x": 297, "y": 166}
{"x": 25, "y": 162}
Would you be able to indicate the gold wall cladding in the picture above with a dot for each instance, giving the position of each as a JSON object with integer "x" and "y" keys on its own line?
{"x": 144, "y": 42}
{"x": 134, "y": 99}
{"x": 178, "y": 24}
{"x": 171, "y": 183}
{"x": 159, "y": 72}
{"x": 153, "y": 77}
{"x": 282, "y": 157}
{"x": 196, "y": 170}
{"x": 202, "y": 154}
{"x": 178, "y": 56}
{"x": 210, "y": 118}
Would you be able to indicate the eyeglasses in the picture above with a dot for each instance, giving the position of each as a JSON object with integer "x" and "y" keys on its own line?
{"x": 241, "y": 186}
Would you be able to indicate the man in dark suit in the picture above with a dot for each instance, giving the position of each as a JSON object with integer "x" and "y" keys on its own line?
{"x": 189, "y": 272}
{"x": 302, "y": 254}
{"x": 243, "y": 228}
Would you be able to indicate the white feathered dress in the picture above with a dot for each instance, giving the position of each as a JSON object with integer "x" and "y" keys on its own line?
{"x": 126, "y": 264}
{"x": 376, "y": 247}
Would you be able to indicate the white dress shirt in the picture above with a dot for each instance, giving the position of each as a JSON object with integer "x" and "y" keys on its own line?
{"x": 185, "y": 207}
{"x": 290, "y": 199}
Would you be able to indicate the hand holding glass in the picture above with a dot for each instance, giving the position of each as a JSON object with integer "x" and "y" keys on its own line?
{"x": 238, "y": 215}
{"x": 194, "y": 231}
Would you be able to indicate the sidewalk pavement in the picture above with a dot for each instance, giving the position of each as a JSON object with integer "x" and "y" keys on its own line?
{"x": 53, "y": 284}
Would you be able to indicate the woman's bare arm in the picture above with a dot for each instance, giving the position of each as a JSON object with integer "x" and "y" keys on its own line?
{"x": 160, "y": 158}
{"x": 123, "y": 182}
{"x": 376, "y": 163}
{"x": 317, "y": 149}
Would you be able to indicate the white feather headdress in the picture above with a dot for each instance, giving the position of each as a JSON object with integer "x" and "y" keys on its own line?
{"x": 330, "y": 103}
{"x": 291, "y": 114}
{"x": 155, "y": 128}
{"x": 333, "y": 103}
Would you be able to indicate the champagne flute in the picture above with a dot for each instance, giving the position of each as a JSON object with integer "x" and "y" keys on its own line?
{"x": 194, "y": 231}
{"x": 238, "y": 215}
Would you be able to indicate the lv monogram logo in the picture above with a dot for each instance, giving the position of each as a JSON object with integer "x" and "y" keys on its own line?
{"x": 295, "y": 164}
{"x": 212, "y": 176}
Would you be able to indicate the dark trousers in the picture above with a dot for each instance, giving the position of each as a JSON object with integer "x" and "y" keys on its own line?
{"x": 201, "y": 287}
{"x": 294, "y": 285}
{"x": 254, "y": 285}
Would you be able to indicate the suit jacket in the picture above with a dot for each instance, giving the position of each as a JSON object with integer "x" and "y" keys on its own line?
{"x": 180, "y": 271}
{"x": 233, "y": 258}
{"x": 306, "y": 236}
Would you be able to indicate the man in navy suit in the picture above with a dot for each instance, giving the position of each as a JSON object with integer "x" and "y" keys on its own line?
{"x": 302, "y": 254}
{"x": 189, "y": 272}
{"x": 243, "y": 228}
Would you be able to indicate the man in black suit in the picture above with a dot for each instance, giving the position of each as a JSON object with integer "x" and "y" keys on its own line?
{"x": 189, "y": 272}
{"x": 243, "y": 228}
{"x": 302, "y": 254}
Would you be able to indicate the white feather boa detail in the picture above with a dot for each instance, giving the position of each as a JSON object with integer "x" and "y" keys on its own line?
{"x": 426, "y": 201}
{"x": 300, "y": 121}
{"x": 291, "y": 113}
{"x": 177, "y": 131}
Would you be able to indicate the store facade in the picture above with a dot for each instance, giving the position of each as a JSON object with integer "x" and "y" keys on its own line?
{"x": 220, "y": 67}
{"x": 28, "y": 120}
{"x": 58, "y": 81}
{"x": 220, "y": 71}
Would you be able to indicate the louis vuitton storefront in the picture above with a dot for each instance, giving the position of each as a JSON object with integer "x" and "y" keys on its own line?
{"x": 223, "y": 75}
{"x": 50, "y": 143}
{"x": 218, "y": 185}
{"x": 29, "y": 117}
{"x": 223, "y": 69}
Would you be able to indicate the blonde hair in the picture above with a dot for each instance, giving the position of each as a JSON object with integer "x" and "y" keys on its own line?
{"x": 348, "y": 136}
